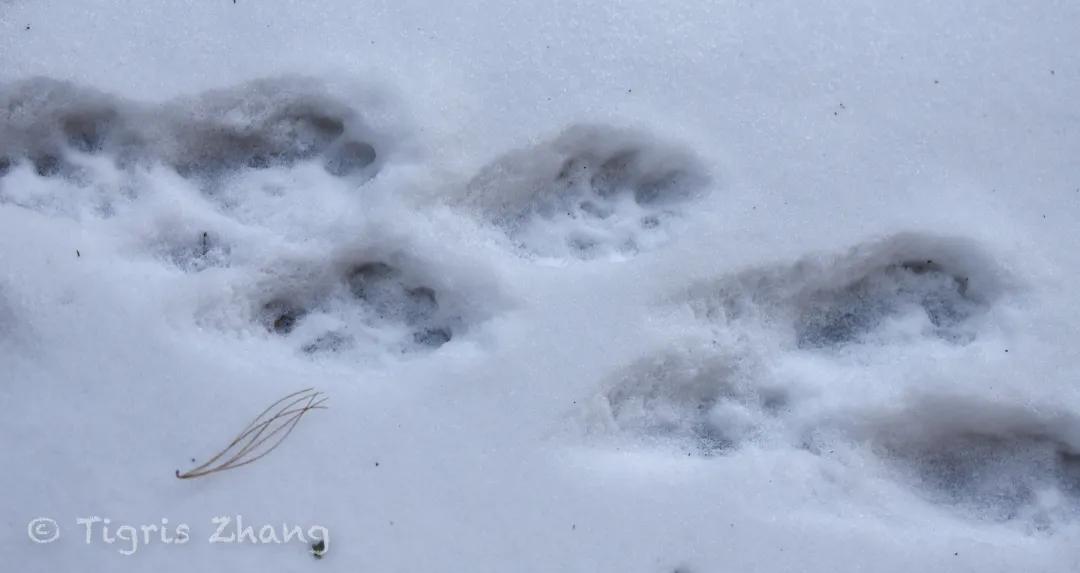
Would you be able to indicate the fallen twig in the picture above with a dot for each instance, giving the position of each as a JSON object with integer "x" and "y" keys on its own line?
{"x": 247, "y": 446}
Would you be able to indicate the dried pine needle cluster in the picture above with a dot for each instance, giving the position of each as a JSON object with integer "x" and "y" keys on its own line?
{"x": 263, "y": 435}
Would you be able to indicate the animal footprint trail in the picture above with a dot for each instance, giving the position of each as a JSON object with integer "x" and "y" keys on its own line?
{"x": 967, "y": 455}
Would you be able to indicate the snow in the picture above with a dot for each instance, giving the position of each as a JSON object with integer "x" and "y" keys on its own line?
{"x": 711, "y": 286}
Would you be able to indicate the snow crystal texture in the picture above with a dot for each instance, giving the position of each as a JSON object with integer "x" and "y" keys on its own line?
{"x": 646, "y": 287}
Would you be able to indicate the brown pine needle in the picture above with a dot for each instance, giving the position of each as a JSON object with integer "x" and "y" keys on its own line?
{"x": 247, "y": 446}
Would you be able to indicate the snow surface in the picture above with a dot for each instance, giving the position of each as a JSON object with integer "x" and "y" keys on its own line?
{"x": 635, "y": 286}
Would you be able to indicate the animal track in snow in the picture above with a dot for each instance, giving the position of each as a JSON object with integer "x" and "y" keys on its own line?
{"x": 281, "y": 315}
{"x": 54, "y": 126}
{"x": 997, "y": 462}
{"x": 708, "y": 401}
{"x": 373, "y": 303}
{"x": 903, "y": 287}
{"x": 834, "y": 317}
{"x": 591, "y": 192}
{"x": 388, "y": 295}
{"x": 886, "y": 292}
{"x": 7, "y": 315}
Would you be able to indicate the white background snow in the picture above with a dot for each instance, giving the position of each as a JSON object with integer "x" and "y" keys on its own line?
{"x": 756, "y": 371}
